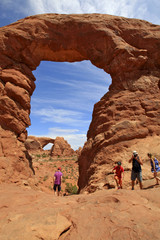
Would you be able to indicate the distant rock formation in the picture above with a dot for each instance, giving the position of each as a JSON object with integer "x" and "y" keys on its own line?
{"x": 127, "y": 116}
{"x": 78, "y": 151}
{"x": 33, "y": 143}
{"x": 60, "y": 145}
{"x": 61, "y": 148}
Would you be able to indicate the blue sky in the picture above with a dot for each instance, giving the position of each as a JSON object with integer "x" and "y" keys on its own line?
{"x": 65, "y": 94}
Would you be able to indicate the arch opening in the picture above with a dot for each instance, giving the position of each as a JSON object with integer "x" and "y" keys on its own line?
{"x": 61, "y": 106}
{"x": 63, "y": 100}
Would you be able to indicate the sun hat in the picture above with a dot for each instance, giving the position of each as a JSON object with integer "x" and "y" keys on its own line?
{"x": 135, "y": 153}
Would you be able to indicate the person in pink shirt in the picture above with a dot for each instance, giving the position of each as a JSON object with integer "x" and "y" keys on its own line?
{"x": 57, "y": 181}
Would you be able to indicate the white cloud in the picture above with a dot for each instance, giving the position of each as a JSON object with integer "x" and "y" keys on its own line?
{"x": 54, "y": 6}
{"x": 133, "y": 9}
{"x": 84, "y": 68}
{"x": 77, "y": 82}
{"x": 85, "y": 88}
{"x": 61, "y": 132}
{"x": 143, "y": 9}
{"x": 73, "y": 118}
{"x": 72, "y": 103}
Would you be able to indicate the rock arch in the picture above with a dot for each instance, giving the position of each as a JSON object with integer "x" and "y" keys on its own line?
{"x": 127, "y": 49}
{"x": 37, "y": 143}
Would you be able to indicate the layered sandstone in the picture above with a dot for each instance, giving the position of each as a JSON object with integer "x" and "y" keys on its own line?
{"x": 61, "y": 148}
{"x": 128, "y": 115}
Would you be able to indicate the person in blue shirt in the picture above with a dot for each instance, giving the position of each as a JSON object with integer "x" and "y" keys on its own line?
{"x": 154, "y": 167}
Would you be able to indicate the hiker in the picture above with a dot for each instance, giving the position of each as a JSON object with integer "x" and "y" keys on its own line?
{"x": 119, "y": 174}
{"x": 136, "y": 169}
{"x": 57, "y": 181}
{"x": 154, "y": 167}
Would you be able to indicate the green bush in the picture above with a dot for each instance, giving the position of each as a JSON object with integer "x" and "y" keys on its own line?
{"x": 45, "y": 178}
{"x": 71, "y": 189}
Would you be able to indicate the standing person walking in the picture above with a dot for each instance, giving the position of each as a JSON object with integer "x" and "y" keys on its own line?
{"x": 136, "y": 169}
{"x": 57, "y": 181}
{"x": 119, "y": 174}
{"x": 154, "y": 167}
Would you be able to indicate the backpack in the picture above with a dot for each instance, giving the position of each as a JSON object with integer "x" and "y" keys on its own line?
{"x": 156, "y": 164}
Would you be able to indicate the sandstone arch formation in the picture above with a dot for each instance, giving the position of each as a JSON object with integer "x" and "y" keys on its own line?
{"x": 127, "y": 49}
{"x": 37, "y": 143}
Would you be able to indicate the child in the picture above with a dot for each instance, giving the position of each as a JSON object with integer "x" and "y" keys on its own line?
{"x": 154, "y": 167}
{"x": 119, "y": 174}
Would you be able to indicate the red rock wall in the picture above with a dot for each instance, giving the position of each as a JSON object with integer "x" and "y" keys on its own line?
{"x": 127, "y": 49}
{"x": 61, "y": 148}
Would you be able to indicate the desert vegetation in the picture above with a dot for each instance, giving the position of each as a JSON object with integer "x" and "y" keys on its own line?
{"x": 45, "y": 167}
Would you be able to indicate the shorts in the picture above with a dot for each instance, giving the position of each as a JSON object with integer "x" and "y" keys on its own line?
{"x": 57, "y": 186}
{"x": 119, "y": 179}
{"x": 137, "y": 175}
{"x": 157, "y": 170}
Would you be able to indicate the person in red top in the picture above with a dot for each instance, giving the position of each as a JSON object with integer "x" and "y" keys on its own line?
{"x": 119, "y": 174}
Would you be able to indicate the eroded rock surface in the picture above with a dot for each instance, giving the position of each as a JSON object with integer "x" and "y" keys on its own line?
{"x": 106, "y": 214}
{"x": 61, "y": 148}
{"x": 127, "y": 49}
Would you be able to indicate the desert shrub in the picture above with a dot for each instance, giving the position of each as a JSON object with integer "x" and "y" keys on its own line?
{"x": 45, "y": 178}
{"x": 51, "y": 159}
{"x": 71, "y": 189}
{"x": 50, "y": 187}
{"x": 44, "y": 155}
{"x": 63, "y": 180}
